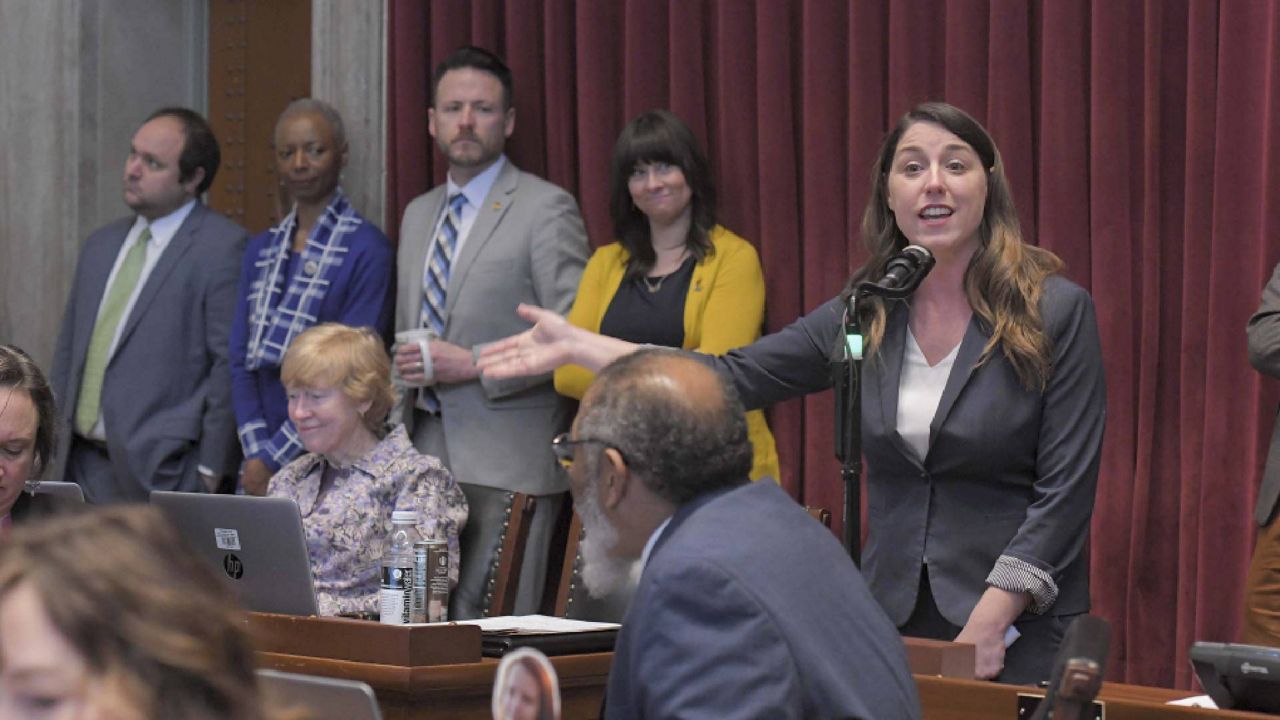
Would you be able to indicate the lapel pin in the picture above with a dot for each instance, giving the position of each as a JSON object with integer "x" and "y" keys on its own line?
{"x": 697, "y": 286}
{"x": 497, "y": 205}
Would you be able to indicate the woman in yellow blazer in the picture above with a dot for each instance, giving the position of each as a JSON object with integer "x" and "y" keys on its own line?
{"x": 674, "y": 277}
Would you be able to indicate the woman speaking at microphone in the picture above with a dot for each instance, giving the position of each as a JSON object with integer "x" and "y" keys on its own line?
{"x": 983, "y": 402}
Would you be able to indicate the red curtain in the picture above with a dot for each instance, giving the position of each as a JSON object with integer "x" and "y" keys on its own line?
{"x": 1143, "y": 143}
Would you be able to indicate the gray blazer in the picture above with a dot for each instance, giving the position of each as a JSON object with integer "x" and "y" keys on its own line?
{"x": 1010, "y": 472}
{"x": 166, "y": 395}
{"x": 748, "y": 608}
{"x": 527, "y": 245}
{"x": 1264, "y": 355}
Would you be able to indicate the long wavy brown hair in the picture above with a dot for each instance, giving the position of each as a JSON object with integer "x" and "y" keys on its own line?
{"x": 1005, "y": 275}
{"x": 154, "y": 625}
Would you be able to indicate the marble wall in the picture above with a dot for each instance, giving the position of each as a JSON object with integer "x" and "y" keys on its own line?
{"x": 348, "y": 47}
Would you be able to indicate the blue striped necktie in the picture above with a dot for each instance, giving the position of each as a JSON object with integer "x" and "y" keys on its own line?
{"x": 435, "y": 281}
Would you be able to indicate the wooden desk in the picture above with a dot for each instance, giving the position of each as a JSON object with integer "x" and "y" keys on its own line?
{"x": 440, "y": 674}
{"x": 952, "y": 699}
{"x": 454, "y": 691}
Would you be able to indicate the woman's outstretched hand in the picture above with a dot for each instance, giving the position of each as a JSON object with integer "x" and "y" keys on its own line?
{"x": 540, "y": 349}
{"x": 550, "y": 343}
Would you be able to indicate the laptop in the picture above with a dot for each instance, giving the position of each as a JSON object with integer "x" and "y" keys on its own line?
{"x": 255, "y": 544}
{"x": 322, "y": 698}
{"x": 66, "y": 491}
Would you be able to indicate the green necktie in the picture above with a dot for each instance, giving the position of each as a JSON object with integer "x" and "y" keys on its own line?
{"x": 113, "y": 303}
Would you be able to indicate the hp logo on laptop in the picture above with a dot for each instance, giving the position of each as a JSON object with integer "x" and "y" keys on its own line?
{"x": 232, "y": 565}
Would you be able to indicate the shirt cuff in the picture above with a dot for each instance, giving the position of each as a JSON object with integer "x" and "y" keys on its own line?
{"x": 1016, "y": 575}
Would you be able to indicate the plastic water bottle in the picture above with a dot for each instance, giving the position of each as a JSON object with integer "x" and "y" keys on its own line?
{"x": 396, "y": 593}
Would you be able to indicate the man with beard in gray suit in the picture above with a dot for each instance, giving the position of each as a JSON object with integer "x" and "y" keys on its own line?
{"x": 470, "y": 250}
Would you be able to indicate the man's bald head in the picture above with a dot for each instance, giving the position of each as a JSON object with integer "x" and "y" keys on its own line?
{"x": 679, "y": 424}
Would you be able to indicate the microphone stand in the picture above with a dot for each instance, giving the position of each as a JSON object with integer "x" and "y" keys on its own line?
{"x": 914, "y": 264}
{"x": 847, "y": 376}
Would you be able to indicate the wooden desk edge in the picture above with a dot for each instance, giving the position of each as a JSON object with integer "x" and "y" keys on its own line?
{"x": 944, "y": 698}
{"x": 585, "y": 670}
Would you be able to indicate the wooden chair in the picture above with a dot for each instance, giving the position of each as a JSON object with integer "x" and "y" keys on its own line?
{"x": 571, "y": 570}
{"x": 822, "y": 515}
{"x": 504, "y": 576}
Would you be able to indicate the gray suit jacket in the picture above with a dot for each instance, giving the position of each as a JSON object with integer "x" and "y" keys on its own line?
{"x": 166, "y": 395}
{"x": 1010, "y": 472}
{"x": 1264, "y": 355}
{"x": 527, "y": 245}
{"x": 748, "y": 608}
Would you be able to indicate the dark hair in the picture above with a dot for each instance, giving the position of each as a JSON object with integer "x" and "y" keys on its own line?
{"x": 150, "y": 620}
{"x": 659, "y": 136}
{"x": 1005, "y": 274}
{"x": 19, "y": 371}
{"x": 200, "y": 149}
{"x": 680, "y": 446}
{"x": 476, "y": 58}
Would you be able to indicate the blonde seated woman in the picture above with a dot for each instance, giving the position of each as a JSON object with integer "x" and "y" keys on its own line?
{"x": 355, "y": 473}
{"x": 105, "y": 616}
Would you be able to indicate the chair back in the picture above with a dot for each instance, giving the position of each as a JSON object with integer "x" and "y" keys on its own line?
{"x": 504, "y": 577}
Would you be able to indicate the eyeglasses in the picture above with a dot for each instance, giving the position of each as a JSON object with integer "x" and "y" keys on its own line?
{"x": 562, "y": 446}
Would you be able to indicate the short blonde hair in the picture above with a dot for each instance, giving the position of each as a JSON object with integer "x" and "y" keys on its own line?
{"x": 332, "y": 355}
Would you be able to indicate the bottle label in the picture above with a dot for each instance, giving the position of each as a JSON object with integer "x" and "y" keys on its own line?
{"x": 395, "y": 597}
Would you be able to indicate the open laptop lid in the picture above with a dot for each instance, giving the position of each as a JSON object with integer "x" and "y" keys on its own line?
{"x": 323, "y": 698}
{"x": 255, "y": 544}
{"x": 67, "y": 491}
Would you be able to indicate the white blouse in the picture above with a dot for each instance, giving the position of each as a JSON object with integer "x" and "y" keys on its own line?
{"x": 919, "y": 392}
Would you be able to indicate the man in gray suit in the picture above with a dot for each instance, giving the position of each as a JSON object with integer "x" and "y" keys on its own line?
{"x": 141, "y": 371}
{"x": 1262, "y": 586}
{"x": 471, "y": 250}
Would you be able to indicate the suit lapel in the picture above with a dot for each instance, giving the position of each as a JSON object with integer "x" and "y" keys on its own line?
{"x": 496, "y": 204}
{"x": 169, "y": 259}
{"x": 895, "y": 336}
{"x": 961, "y": 370}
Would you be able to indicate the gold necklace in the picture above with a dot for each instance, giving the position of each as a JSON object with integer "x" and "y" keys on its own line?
{"x": 656, "y": 284}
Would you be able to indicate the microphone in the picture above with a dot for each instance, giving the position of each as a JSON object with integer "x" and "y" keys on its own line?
{"x": 902, "y": 273}
{"x": 1077, "y": 670}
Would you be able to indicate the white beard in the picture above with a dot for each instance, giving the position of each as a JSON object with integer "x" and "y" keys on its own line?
{"x": 602, "y": 572}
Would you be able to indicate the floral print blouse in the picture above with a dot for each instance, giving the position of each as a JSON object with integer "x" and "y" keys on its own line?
{"x": 346, "y": 514}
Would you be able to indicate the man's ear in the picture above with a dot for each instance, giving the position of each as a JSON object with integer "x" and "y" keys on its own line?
{"x": 616, "y": 481}
{"x": 191, "y": 184}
